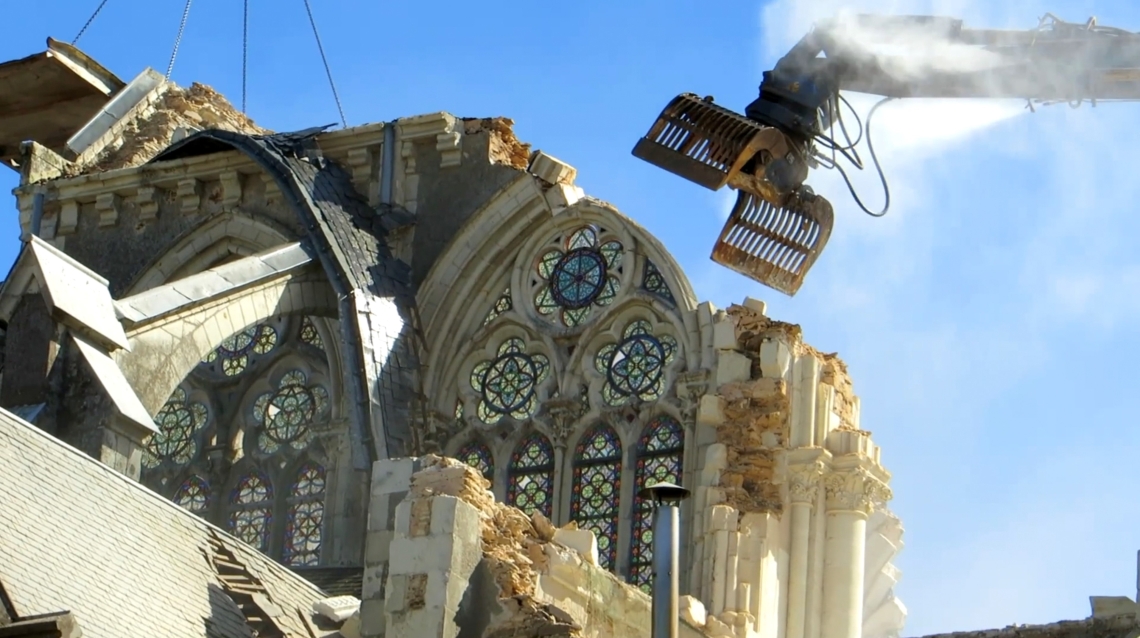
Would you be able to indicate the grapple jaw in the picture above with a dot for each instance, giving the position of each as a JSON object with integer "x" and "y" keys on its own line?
{"x": 775, "y": 244}
{"x": 778, "y": 227}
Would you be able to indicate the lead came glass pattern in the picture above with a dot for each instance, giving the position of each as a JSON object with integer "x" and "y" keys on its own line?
{"x": 531, "y": 475}
{"x": 306, "y": 517}
{"x": 234, "y": 352}
{"x": 178, "y": 423}
{"x": 597, "y": 489}
{"x": 659, "y": 456}
{"x": 193, "y": 495}
{"x": 508, "y": 384}
{"x": 478, "y": 455}
{"x": 635, "y": 366}
{"x": 655, "y": 283}
{"x": 581, "y": 274}
{"x": 310, "y": 334}
{"x": 285, "y": 415}
{"x": 251, "y": 510}
{"x": 502, "y": 304}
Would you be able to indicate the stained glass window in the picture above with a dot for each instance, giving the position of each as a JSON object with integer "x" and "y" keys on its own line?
{"x": 306, "y": 517}
{"x": 478, "y": 456}
{"x": 580, "y": 274}
{"x": 234, "y": 352}
{"x": 655, "y": 283}
{"x": 508, "y": 384}
{"x": 252, "y": 510}
{"x": 286, "y": 414}
{"x": 596, "y": 496}
{"x": 309, "y": 333}
{"x": 635, "y": 366}
{"x": 502, "y": 304}
{"x": 659, "y": 455}
{"x": 178, "y": 422}
{"x": 531, "y": 475}
{"x": 193, "y": 495}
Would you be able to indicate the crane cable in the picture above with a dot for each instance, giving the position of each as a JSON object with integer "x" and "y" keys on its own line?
{"x": 325, "y": 60}
{"x": 244, "y": 51}
{"x": 88, "y": 23}
{"x": 178, "y": 38}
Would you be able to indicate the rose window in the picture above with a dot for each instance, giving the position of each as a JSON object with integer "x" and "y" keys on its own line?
{"x": 193, "y": 494}
{"x": 508, "y": 384}
{"x": 287, "y": 414}
{"x": 178, "y": 421}
{"x": 635, "y": 366}
{"x": 579, "y": 275}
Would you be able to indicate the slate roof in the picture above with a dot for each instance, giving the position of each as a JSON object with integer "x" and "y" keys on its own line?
{"x": 335, "y": 581}
{"x": 374, "y": 287}
{"x": 77, "y": 536}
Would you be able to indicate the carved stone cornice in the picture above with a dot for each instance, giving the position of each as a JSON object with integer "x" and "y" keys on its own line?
{"x": 855, "y": 490}
{"x": 804, "y": 481}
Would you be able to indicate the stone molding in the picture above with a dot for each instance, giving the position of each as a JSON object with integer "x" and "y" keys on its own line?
{"x": 855, "y": 490}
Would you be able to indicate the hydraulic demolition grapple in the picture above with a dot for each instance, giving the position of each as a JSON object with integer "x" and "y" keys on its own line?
{"x": 779, "y": 226}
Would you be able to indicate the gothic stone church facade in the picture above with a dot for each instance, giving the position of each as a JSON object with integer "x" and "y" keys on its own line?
{"x": 257, "y": 327}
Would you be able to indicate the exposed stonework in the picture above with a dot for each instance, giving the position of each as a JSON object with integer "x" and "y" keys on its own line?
{"x": 504, "y": 147}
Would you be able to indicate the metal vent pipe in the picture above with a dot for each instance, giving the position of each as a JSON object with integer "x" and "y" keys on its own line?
{"x": 666, "y": 498}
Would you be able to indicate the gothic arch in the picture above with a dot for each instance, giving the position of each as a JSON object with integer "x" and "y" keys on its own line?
{"x": 229, "y": 232}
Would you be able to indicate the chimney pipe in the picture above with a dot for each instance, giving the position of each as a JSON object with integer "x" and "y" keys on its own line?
{"x": 666, "y": 498}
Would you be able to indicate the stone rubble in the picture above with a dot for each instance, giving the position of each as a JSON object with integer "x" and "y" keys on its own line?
{"x": 505, "y": 147}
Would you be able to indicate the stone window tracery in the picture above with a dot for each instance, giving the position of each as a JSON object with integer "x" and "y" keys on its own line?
{"x": 478, "y": 455}
{"x": 233, "y": 354}
{"x": 310, "y": 335}
{"x": 660, "y": 453}
{"x": 251, "y": 510}
{"x": 502, "y": 305}
{"x": 304, "y": 528}
{"x": 287, "y": 413}
{"x": 635, "y": 366}
{"x": 531, "y": 475}
{"x": 655, "y": 283}
{"x": 581, "y": 273}
{"x": 193, "y": 494}
{"x": 179, "y": 422}
{"x": 507, "y": 385}
{"x": 594, "y": 501}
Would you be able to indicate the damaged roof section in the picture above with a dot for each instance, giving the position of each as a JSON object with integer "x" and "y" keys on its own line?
{"x": 49, "y": 96}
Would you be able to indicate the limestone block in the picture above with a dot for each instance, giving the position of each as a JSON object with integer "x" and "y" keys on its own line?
{"x": 724, "y": 335}
{"x": 716, "y": 457}
{"x": 732, "y": 367}
{"x": 756, "y": 305}
{"x": 68, "y": 217}
{"x": 1110, "y": 606}
{"x": 715, "y": 628}
{"x": 775, "y": 359}
{"x": 692, "y": 611}
{"x": 710, "y": 411}
{"x": 582, "y": 541}
{"x": 551, "y": 169}
{"x": 562, "y": 196}
{"x": 338, "y": 608}
{"x": 108, "y": 206}
{"x": 190, "y": 194}
{"x": 351, "y": 627}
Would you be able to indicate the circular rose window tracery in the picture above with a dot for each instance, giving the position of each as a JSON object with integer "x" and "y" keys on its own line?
{"x": 507, "y": 385}
{"x": 581, "y": 273}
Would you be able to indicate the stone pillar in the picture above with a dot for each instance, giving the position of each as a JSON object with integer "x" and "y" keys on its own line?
{"x": 391, "y": 480}
{"x": 436, "y": 549}
{"x": 803, "y": 488}
{"x": 851, "y": 496}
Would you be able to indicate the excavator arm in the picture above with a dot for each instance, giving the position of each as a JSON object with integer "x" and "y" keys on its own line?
{"x": 779, "y": 226}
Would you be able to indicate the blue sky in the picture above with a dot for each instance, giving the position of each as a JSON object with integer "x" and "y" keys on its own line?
{"x": 988, "y": 320}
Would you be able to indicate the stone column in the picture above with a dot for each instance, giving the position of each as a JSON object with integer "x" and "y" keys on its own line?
{"x": 851, "y": 495}
{"x": 803, "y": 486}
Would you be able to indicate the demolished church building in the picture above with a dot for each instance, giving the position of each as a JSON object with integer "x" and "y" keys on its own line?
{"x": 408, "y": 362}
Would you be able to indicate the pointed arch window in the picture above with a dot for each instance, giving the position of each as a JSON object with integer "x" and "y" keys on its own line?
{"x": 303, "y": 530}
{"x": 531, "y": 475}
{"x": 193, "y": 495}
{"x": 635, "y": 366}
{"x": 478, "y": 455}
{"x": 597, "y": 488}
{"x": 251, "y": 510}
{"x": 660, "y": 451}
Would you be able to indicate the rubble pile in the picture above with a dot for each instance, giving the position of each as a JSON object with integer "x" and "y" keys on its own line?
{"x": 504, "y": 147}
{"x": 195, "y": 108}
{"x": 514, "y": 546}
